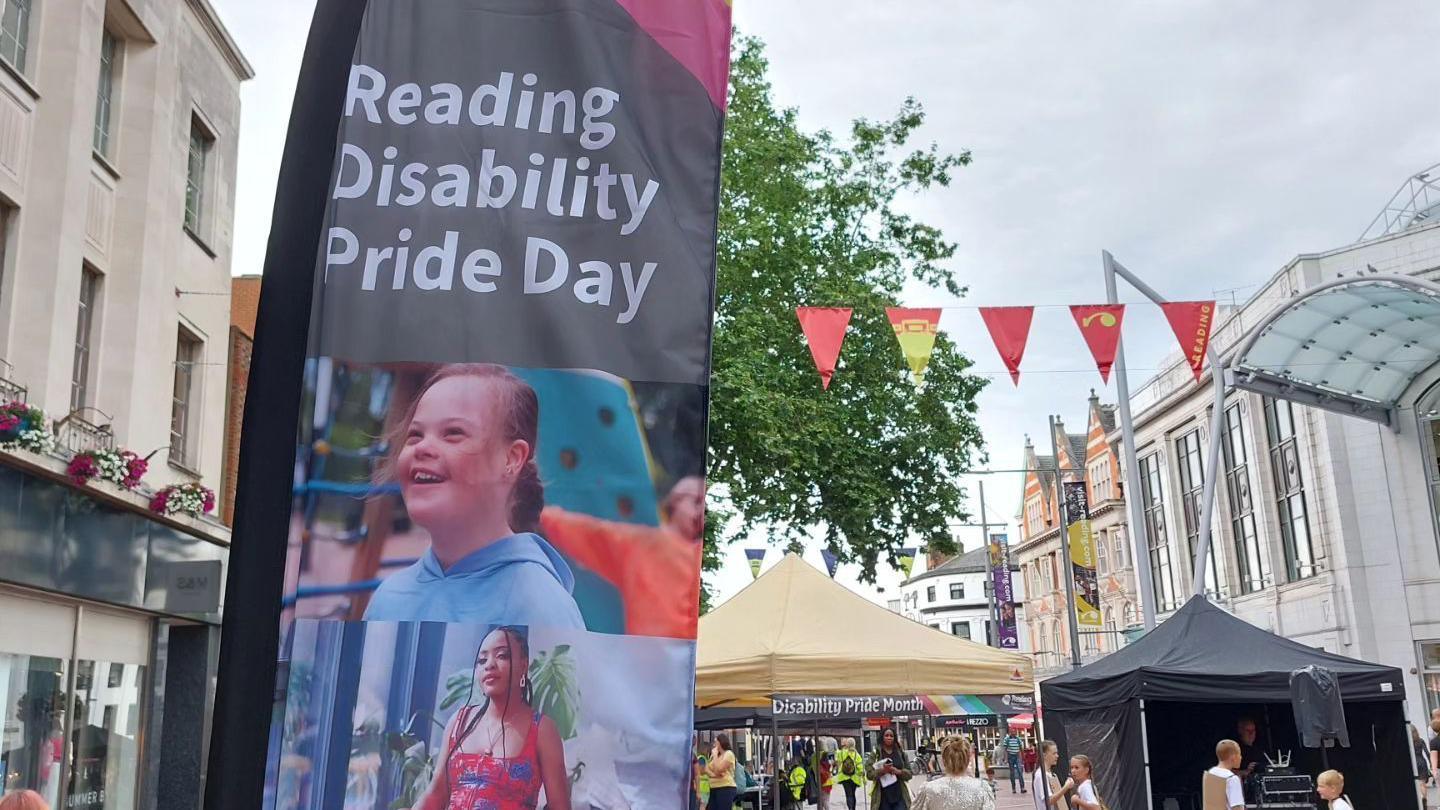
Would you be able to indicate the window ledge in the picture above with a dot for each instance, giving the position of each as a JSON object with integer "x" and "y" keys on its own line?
{"x": 182, "y": 467}
{"x": 105, "y": 164}
{"x": 20, "y": 79}
{"x": 200, "y": 240}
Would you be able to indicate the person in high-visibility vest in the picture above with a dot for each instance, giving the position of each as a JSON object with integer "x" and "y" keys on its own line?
{"x": 798, "y": 776}
{"x": 849, "y": 771}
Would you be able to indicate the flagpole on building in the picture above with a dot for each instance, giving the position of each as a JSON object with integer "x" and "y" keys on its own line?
{"x": 1067, "y": 565}
{"x": 1138, "y": 536}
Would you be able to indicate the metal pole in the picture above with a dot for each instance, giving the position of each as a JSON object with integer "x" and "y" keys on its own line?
{"x": 775, "y": 754}
{"x": 1138, "y": 536}
{"x": 1068, "y": 567}
{"x": 1211, "y": 472}
{"x": 992, "y": 632}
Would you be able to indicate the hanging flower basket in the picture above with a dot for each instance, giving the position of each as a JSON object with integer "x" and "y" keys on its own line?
{"x": 192, "y": 500}
{"x": 23, "y": 427}
{"x": 122, "y": 468}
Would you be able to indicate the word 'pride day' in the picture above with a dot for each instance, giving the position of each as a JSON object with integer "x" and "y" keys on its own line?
{"x": 581, "y": 189}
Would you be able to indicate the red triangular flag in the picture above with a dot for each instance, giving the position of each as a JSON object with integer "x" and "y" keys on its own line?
{"x": 824, "y": 329}
{"x": 1100, "y": 326}
{"x": 1010, "y": 329}
{"x": 1192, "y": 322}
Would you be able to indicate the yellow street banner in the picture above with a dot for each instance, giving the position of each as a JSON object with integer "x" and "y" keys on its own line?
{"x": 1081, "y": 541}
{"x": 916, "y": 330}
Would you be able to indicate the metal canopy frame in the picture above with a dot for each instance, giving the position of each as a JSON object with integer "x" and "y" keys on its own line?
{"x": 1234, "y": 371}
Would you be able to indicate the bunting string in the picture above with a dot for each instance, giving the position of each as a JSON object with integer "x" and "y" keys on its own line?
{"x": 915, "y": 329}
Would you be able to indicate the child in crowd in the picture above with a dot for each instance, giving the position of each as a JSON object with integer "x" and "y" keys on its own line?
{"x": 1082, "y": 776}
{"x": 990, "y": 781}
{"x": 1331, "y": 787}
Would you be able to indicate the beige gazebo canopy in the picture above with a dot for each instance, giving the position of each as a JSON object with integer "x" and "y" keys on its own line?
{"x": 796, "y": 631}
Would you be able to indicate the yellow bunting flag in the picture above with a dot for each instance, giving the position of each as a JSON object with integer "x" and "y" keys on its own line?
{"x": 907, "y": 560}
{"x": 916, "y": 330}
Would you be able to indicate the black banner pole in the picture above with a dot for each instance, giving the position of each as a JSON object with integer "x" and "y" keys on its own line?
{"x": 250, "y": 631}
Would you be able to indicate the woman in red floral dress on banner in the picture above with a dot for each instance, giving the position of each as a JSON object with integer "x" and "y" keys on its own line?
{"x": 498, "y": 754}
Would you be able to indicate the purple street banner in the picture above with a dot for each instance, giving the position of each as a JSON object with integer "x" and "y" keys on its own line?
{"x": 1007, "y": 634}
{"x": 1081, "y": 544}
{"x": 492, "y": 271}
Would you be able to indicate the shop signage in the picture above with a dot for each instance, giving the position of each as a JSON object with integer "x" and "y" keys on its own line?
{"x": 193, "y": 586}
{"x": 971, "y": 721}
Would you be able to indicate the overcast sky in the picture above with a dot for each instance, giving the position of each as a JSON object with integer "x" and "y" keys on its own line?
{"x": 1204, "y": 144}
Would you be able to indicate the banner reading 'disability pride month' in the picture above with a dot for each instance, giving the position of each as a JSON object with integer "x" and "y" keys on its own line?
{"x": 511, "y": 282}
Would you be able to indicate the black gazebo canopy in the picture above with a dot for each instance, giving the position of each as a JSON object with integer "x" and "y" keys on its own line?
{"x": 1181, "y": 687}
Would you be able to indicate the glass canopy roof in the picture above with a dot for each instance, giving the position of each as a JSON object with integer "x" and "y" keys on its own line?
{"x": 1357, "y": 343}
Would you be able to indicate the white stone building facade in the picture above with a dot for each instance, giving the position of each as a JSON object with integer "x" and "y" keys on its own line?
{"x": 119, "y": 127}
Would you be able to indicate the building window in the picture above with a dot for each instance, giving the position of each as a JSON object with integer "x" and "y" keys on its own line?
{"x": 1102, "y": 487}
{"x": 1032, "y": 513}
{"x": 961, "y": 629}
{"x": 1119, "y": 550}
{"x": 930, "y": 594}
{"x": 1152, "y": 502}
{"x": 15, "y": 31}
{"x": 1430, "y": 673}
{"x": 187, "y": 358}
{"x": 84, "y": 321}
{"x": 1191, "y": 468}
{"x": 1289, "y": 489}
{"x": 957, "y": 590}
{"x": 1251, "y": 565}
{"x": 1102, "y": 555}
{"x": 105, "y": 93}
{"x": 201, "y": 143}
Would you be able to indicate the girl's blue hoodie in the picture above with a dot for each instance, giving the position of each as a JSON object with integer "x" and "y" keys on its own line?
{"x": 518, "y": 580}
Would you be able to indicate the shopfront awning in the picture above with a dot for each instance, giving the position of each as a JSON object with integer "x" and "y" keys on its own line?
{"x": 1353, "y": 346}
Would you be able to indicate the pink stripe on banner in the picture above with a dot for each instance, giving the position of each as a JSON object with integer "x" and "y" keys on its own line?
{"x": 695, "y": 32}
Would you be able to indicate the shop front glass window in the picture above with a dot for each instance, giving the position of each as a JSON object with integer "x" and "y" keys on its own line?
{"x": 105, "y": 748}
{"x": 31, "y": 743}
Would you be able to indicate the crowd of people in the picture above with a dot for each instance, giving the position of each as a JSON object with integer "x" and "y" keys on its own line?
{"x": 887, "y": 773}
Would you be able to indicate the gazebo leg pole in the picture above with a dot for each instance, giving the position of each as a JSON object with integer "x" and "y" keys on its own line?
{"x": 1145, "y": 750}
{"x": 775, "y": 751}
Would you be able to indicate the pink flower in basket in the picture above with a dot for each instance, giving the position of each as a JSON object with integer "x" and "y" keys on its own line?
{"x": 81, "y": 469}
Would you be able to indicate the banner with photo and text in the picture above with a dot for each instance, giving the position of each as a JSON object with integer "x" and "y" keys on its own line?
{"x": 1081, "y": 543}
{"x": 489, "y": 294}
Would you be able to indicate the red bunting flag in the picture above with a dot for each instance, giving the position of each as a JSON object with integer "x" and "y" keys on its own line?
{"x": 824, "y": 329}
{"x": 1100, "y": 326}
{"x": 1010, "y": 329}
{"x": 1192, "y": 322}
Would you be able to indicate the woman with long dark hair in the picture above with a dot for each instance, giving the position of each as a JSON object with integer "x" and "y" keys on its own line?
{"x": 499, "y": 752}
{"x": 890, "y": 769}
{"x": 721, "y": 770}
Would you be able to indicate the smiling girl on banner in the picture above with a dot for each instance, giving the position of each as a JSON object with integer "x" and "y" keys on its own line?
{"x": 464, "y": 457}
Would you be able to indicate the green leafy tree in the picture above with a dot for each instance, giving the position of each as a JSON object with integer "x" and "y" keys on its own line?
{"x": 809, "y": 219}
